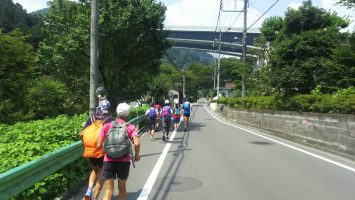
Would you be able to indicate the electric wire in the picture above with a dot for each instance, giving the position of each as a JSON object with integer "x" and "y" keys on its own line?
{"x": 263, "y": 14}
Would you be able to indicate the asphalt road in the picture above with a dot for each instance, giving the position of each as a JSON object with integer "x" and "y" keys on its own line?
{"x": 219, "y": 159}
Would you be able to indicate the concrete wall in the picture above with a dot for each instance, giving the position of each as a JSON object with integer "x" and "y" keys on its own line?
{"x": 330, "y": 132}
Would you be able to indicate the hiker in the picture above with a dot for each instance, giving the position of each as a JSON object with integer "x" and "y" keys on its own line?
{"x": 166, "y": 119}
{"x": 118, "y": 151}
{"x": 157, "y": 107}
{"x": 90, "y": 135}
{"x": 176, "y": 115}
{"x": 151, "y": 114}
{"x": 187, "y": 108}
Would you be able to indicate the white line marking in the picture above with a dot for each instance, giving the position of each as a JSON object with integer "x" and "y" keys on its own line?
{"x": 287, "y": 145}
{"x": 154, "y": 174}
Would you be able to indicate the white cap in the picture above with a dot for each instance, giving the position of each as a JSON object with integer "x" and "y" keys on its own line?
{"x": 166, "y": 102}
{"x": 123, "y": 110}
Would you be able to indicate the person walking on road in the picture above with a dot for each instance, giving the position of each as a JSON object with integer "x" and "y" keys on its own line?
{"x": 176, "y": 115}
{"x": 157, "y": 107}
{"x": 166, "y": 119}
{"x": 151, "y": 114}
{"x": 113, "y": 137}
{"x": 95, "y": 155}
{"x": 187, "y": 108}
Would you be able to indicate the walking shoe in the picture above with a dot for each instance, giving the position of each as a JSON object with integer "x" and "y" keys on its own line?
{"x": 88, "y": 195}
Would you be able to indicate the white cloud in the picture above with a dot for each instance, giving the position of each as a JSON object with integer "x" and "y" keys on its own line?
{"x": 294, "y": 5}
{"x": 341, "y": 11}
{"x": 31, "y": 5}
{"x": 192, "y": 13}
{"x": 205, "y": 13}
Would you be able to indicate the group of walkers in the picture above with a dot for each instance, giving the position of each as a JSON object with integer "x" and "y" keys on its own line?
{"x": 109, "y": 142}
{"x": 108, "y": 146}
{"x": 166, "y": 115}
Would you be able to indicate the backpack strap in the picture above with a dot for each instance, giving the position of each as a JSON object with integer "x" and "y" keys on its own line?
{"x": 92, "y": 118}
{"x": 103, "y": 121}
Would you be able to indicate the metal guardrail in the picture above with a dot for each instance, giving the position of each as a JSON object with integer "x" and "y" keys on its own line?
{"x": 18, "y": 179}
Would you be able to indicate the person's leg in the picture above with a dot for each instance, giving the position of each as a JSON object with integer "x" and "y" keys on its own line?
{"x": 99, "y": 178}
{"x": 151, "y": 128}
{"x": 187, "y": 121}
{"x": 163, "y": 121}
{"x": 92, "y": 179}
{"x": 109, "y": 183}
{"x": 122, "y": 175}
{"x": 122, "y": 189}
{"x": 109, "y": 175}
{"x": 167, "y": 123}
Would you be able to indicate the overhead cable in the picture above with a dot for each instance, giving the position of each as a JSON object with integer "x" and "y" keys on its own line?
{"x": 263, "y": 14}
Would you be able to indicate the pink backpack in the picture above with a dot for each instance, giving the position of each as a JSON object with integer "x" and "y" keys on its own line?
{"x": 166, "y": 111}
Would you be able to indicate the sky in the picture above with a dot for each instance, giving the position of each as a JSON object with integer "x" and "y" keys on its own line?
{"x": 205, "y": 12}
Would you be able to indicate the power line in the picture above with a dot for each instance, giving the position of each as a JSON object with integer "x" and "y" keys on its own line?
{"x": 263, "y": 14}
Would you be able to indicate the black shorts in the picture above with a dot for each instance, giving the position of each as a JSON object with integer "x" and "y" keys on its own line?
{"x": 187, "y": 115}
{"x": 96, "y": 162}
{"x": 116, "y": 170}
{"x": 151, "y": 123}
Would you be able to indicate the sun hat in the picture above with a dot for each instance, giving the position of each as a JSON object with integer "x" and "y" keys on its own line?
{"x": 123, "y": 110}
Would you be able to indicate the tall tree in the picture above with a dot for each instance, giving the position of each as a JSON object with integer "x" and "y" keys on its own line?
{"x": 16, "y": 70}
{"x": 300, "y": 59}
{"x": 131, "y": 43}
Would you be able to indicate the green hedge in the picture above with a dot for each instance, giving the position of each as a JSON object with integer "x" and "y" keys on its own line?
{"x": 338, "y": 103}
{"x": 23, "y": 142}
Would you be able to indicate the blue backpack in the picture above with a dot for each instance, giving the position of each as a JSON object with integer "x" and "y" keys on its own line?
{"x": 186, "y": 107}
{"x": 152, "y": 114}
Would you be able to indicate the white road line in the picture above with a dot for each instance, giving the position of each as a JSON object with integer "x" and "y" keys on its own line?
{"x": 284, "y": 144}
{"x": 154, "y": 174}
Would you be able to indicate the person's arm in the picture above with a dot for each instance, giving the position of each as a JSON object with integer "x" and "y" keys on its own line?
{"x": 102, "y": 135}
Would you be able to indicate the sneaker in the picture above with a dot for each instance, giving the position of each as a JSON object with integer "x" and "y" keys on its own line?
{"x": 88, "y": 195}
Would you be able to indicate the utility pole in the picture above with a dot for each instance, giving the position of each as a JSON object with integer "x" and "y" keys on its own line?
{"x": 214, "y": 73}
{"x": 94, "y": 44}
{"x": 244, "y": 44}
{"x": 219, "y": 61}
{"x": 183, "y": 82}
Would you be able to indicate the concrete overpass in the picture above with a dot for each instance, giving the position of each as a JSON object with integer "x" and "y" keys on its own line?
{"x": 206, "y": 39}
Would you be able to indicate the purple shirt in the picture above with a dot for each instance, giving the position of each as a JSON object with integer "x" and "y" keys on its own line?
{"x": 132, "y": 131}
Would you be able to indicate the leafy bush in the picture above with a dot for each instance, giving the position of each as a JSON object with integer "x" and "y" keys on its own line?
{"x": 341, "y": 102}
{"x": 137, "y": 111}
{"x": 23, "y": 142}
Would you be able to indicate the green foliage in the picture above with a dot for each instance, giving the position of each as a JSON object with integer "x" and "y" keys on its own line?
{"x": 23, "y": 142}
{"x": 301, "y": 58}
{"x": 271, "y": 27}
{"x": 13, "y": 16}
{"x": 64, "y": 53}
{"x": 342, "y": 102}
{"x": 16, "y": 70}
{"x": 159, "y": 87}
{"x": 132, "y": 43}
{"x": 348, "y": 3}
{"x": 44, "y": 96}
{"x": 137, "y": 111}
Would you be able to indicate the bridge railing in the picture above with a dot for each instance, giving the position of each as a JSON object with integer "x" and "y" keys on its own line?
{"x": 16, "y": 180}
